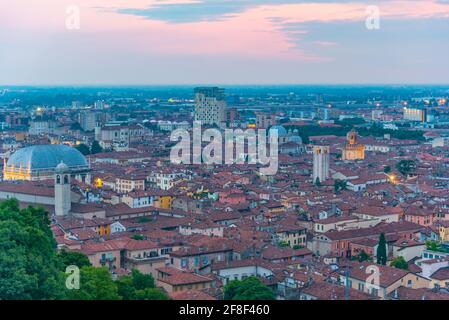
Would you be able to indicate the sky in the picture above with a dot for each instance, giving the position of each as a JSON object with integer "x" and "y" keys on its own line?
{"x": 146, "y": 42}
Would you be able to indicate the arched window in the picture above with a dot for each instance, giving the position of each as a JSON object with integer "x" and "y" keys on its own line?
{"x": 66, "y": 179}
{"x": 58, "y": 179}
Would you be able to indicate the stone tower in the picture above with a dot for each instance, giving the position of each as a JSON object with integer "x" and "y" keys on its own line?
{"x": 353, "y": 150}
{"x": 62, "y": 190}
{"x": 320, "y": 163}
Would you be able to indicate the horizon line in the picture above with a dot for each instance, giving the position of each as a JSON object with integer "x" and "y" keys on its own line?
{"x": 225, "y": 84}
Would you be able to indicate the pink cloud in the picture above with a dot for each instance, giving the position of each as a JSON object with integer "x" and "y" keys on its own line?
{"x": 257, "y": 32}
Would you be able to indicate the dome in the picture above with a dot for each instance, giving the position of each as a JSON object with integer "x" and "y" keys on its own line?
{"x": 296, "y": 139}
{"x": 62, "y": 168}
{"x": 281, "y": 131}
{"x": 41, "y": 157}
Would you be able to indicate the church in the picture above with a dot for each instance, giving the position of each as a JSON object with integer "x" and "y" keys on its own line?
{"x": 41, "y": 175}
{"x": 38, "y": 162}
{"x": 352, "y": 149}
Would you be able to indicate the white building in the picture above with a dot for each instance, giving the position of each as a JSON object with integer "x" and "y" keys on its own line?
{"x": 210, "y": 105}
{"x": 321, "y": 160}
{"x": 415, "y": 114}
{"x": 87, "y": 120}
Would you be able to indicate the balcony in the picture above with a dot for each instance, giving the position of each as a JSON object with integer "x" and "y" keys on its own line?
{"x": 109, "y": 261}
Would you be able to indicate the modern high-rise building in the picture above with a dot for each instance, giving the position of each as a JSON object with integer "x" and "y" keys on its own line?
{"x": 321, "y": 160}
{"x": 87, "y": 120}
{"x": 415, "y": 114}
{"x": 99, "y": 105}
{"x": 210, "y": 105}
{"x": 265, "y": 120}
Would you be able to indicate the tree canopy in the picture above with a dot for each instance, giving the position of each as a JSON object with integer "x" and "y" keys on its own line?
{"x": 406, "y": 167}
{"x": 250, "y": 288}
{"x": 95, "y": 148}
{"x": 400, "y": 263}
{"x": 72, "y": 258}
{"x": 29, "y": 267}
{"x": 95, "y": 284}
{"x": 84, "y": 149}
{"x": 382, "y": 250}
{"x": 139, "y": 286}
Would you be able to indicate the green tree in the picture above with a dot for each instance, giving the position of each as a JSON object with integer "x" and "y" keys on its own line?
{"x": 95, "y": 284}
{"x": 382, "y": 250}
{"x": 95, "y": 148}
{"x": 432, "y": 245}
{"x": 138, "y": 237}
{"x": 400, "y": 263}
{"x": 139, "y": 286}
{"x": 29, "y": 268}
{"x": 84, "y": 149}
{"x": 142, "y": 281}
{"x": 387, "y": 169}
{"x": 406, "y": 167}
{"x": 126, "y": 288}
{"x": 76, "y": 126}
{"x": 151, "y": 294}
{"x": 317, "y": 182}
{"x": 283, "y": 244}
{"x": 340, "y": 185}
{"x": 74, "y": 258}
{"x": 362, "y": 256}
{"x": 435, "y": 246}
{"x": 250, "y": 288}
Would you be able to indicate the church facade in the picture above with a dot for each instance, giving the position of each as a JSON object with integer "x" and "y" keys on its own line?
{"x": 352, "y": 149}
{"x": 38, "y": 162}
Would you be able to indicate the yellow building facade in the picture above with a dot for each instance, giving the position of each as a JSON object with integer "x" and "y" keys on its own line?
{"x": 353, "y": 150}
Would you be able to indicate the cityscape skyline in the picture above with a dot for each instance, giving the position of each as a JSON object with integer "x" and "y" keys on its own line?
{"x": 238, "y": 152}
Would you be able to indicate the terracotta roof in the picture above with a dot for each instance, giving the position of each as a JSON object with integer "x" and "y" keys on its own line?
{"x": 441, "y": 274}
{"x": 404, "y": 293}
{"x": 184, "y": 278}
{"x": 326, "y": 291}
{"x": 191, "y": 295}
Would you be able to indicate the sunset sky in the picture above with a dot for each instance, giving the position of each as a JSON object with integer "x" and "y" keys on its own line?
{"x": 223, "y": 42}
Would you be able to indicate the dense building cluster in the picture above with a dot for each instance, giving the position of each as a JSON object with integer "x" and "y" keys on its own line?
{"x": 355, "y": 191}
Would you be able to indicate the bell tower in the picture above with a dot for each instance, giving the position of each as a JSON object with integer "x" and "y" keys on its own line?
{"x": 352, "y": 137}
{"x": 62, "y": 190}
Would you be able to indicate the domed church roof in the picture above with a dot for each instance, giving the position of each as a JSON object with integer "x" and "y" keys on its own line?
{"x": 48, "y": 156}
{"x": 282, "y": 132}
